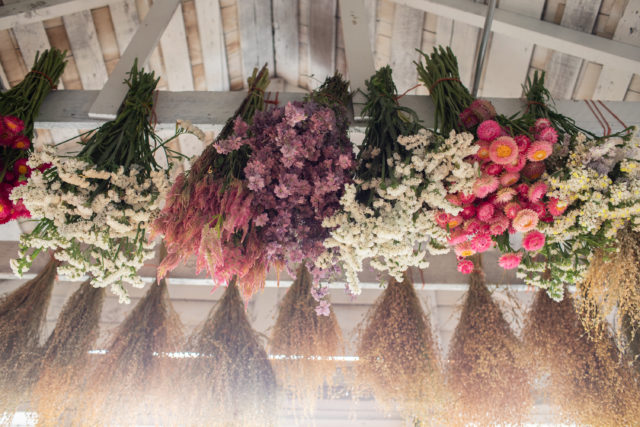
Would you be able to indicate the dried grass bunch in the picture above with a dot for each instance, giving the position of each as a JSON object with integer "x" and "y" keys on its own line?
{"x": 486, "y": 372}
{"x": 305, "y": 343}
{"x": 66, "y": 355}
{"x": 230, "y": 381}
{"x": 399, "y": 361}
{"x": 22, "y": 317}
{"x": 585, "y": 379}
{"x": 130, "y": 384}
{"x": 613, "y": 283}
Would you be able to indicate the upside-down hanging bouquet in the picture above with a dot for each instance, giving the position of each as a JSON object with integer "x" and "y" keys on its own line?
{"x": 93, "y": 209}
{"x": 18, "y": 108}
{"x": 596, "y": 181}
{"x": 510, "y": 196}
{"x": 405, "y": 174}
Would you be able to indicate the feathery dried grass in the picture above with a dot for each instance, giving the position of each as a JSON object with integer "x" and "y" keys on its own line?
{"x": 613, "y": 283}
{"x": 301, "y": 336}
{"x": 585, "y": 379}
{"x": 130, "y": 383}
{"x": 230, "y": 382}
{"x": 485, "y": 371}
{"x": 399, "y": 361}
{"x": 22, "y": 316}
{"x": 66, "y": 354}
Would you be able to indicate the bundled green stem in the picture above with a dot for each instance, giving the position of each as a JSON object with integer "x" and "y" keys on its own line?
{"x": 333, "y": 91}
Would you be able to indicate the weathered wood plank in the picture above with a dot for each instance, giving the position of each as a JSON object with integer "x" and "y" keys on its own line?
{"x": 508, "y": 58}
{"x": 406, "y": 37}
{"x": 372, "y": 9}
{"x": 322, "y": 40}
{"x": 86, "y": 49}
{"x": 256, "y": 37}
{"x": 286, "y": 39}
{"x": 613, "y": 83}
{"x": 176, "y": 54}
{"x": 214, "y": 54}
{"x": 154, "y": 62}
{"x": 464, "y": 43}
{"x": 34, "y": 11}
{"x": 125, "y": 21}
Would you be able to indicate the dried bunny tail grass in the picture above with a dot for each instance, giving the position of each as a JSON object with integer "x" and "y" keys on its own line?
{"x": 22, "y": 316}
{"x": 230, "y": 381}
{"x": 300, "y": 336}
{"x": 584, "y": 379}
{"x": 613, "y": 283}
{"x": 130, "y": 383}
{"x": 66, "y": 353}
{"x": 399, "y": 360}
{"x": 486, "y": 372}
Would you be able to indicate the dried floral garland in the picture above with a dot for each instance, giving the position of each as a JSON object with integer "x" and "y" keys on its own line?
{"x": 584, "y": 379}
{"x": 399, "y": 359}
{"x": 66, "y": 354}
{"x": 228, "y": 380}
{"x": 94, "y": 209}
{"x": 18, "y": 108}
{"x": 486, "y": 372}
{"x": 22, "y": 316}
{"x": 303, "y": 343}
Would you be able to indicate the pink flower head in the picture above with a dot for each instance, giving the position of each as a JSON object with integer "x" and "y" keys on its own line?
{"x": 466, "y": 198}
{"x": 472, "y": 226}
{"x": 539, "y": 150}
{"x": 483, "y": 109}
{"x": 453, "y": 199}
{"x": 481, "y": 242}
{"x": 464, "y": 249}
{"x": 507, "y": 179}
{"x": 533, "y": 241}
{"x": 538, "y": 208}
{"x": 505, "y": 195}
{"x": 523, "y": 190}
{"x": 523, "y": 143}
{"x": 510, "y": 261}
{"x": 261, "y": 220}
{"x": 457, "y": 236}
{"x": 468, "y": 212}
{"x": 442, "y": 218}
{"x": 488, "y": 130}
{"x": 556, "y": 207}
{"x": 548, "y": 218}
{"x": 485, "y": 211}
{"x": 485, "y": 185}
{"x": 517, "y": 165}
{"x": 541, "y": 123}
{"x": 498, "y": 225}
{"x": 13, "y": 125}
{"x": 533, "y": 170}
{"x": 468, "y": 119}
{"x": 20, "y": 167}
{"x": 525, "y": 220}
{"x": 503, "y": 150}
{"x": 548, "y": 134}
{"x": 21, "y": 142}
{"x": 454, "y": 222}
{"x": 493, "y": 169}
{"x": 483, "y": 152}
{"x": 512, "y": 209}
{"x": 537, "y": 191}
{"x": 465, "y": 266}
{"x": 323, "y": 308}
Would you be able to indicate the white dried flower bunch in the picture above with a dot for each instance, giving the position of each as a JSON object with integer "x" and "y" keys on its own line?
{"x": 397, "y": 229}
{"x": 95, "y": 221}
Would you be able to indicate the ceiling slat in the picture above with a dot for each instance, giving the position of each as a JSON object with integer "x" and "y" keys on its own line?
{"x": 86, "y": 49}
{"x": 322, "y": 40}
{"x": 406, "y": 37}
{"x": 256, "y": 37}
{"x": 286, "y": 38}
{"x": 214, "y": 54}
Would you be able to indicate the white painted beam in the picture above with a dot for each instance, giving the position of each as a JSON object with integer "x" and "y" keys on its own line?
{"x": 587, "y": 46}
{"x": 32, "y": 11}
{"x": 141, "y": 45}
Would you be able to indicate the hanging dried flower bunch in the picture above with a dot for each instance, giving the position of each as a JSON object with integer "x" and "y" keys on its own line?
{"x": 66, "y": 353}
{"x": 304, "y": 343}
{"x": 586, "y": 380}
{"x": 485, "y": 371}
{"x": 229, "y": 380}
{"x": 399, "y": 360}
{"x": 130, "y": 383}
{"x": 22, "y": 316}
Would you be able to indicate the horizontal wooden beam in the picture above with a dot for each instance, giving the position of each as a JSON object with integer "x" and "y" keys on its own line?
{"x": 210, "y": 110}
{"x": 30, "y": 11}
{"x": 562, "y": 39}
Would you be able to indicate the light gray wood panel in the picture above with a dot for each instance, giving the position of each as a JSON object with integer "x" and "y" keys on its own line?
{"x": 256, "y": 37}
{"x": 286, "y": 39}
{"x": 405, "y": 39}
{"x": 322, "y": 40}
{"x": 86, "y": 49}
{"x": 214, "y": 54}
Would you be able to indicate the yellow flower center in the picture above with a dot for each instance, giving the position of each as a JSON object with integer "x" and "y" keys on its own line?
{"x": 483, "y": 153}
{"x": 540, "y": 155}
{"x": 466, "y": 253}
{"x": 12, "y": 126}
{"x": 22, "y": 169}
{"x": 504, "y": 151}
{"x": 453, "y": 223}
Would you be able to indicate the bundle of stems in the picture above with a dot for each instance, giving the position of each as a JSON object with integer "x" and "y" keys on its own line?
{"x": 22, "y": 317}
{"x": 66, "y": 354}
{"x": 399, "y": 359}
{"x": 131, "y": 382}
{"x": 585, "y": 380}
{"x": 229, "y": 381}
{"x": 304, "y": 343}
{"x": 486, "y": 371}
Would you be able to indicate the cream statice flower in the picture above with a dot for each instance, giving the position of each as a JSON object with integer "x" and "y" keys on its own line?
{"x": 397, "y": 229}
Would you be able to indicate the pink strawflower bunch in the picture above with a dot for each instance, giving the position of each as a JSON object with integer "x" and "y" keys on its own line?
{"x": 508, "y": 197}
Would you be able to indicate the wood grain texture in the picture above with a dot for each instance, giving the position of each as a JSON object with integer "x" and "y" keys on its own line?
{"x": 322, "y": 40}
{"x": 406, "y": 37}
{"x": 256, "y": 37}
{"x": 286, "y": 38}
{"x": 214, "y": 53}
{"x": 86, "y": 49}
